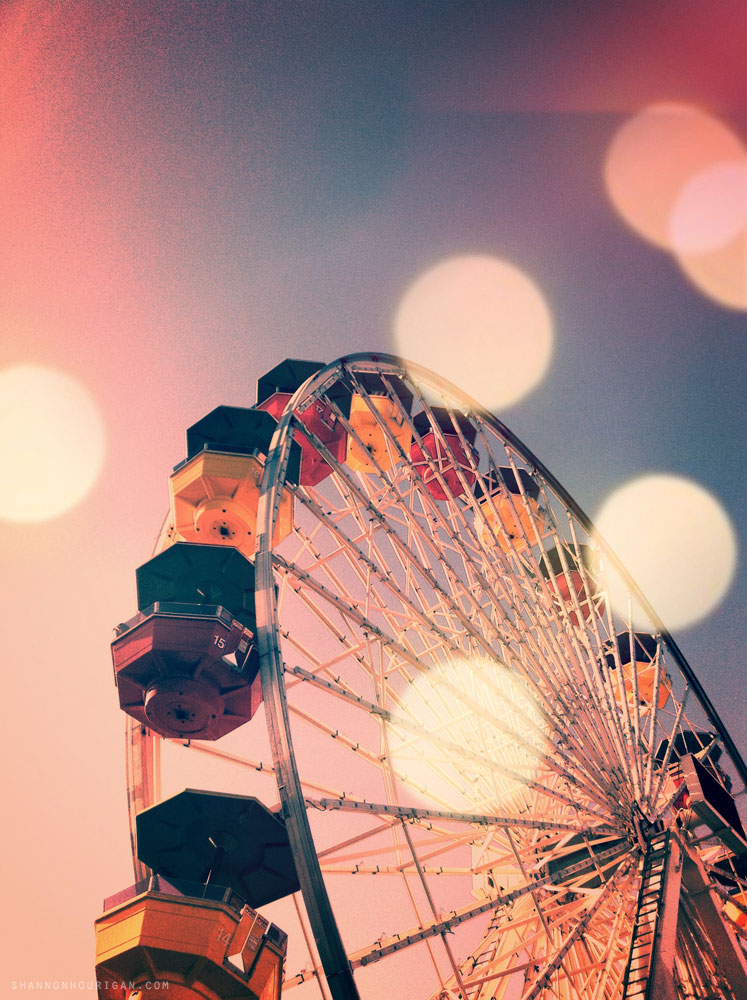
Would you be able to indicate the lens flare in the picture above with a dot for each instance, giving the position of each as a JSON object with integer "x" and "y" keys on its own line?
{"x": 676, "y": 541}
{"x": 721, "y": 275}
{"x": 51, "y": 443}
{"x": 468, "y": 735}
{"x": 482, "y": 322}
{"x": 709, "y": 232}
{"x": 711, "y": 210}
{"x": 654, "y": 155}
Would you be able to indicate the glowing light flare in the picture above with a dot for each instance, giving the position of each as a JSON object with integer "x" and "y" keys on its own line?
{"x": 654, "y": 155}
{"x": 721, "y": 275}
{"x": 454, "y": 723}
{"x": 709, "y": 232}
{"x": 52, "y": 443}
{"x": 711, "y": 209}
{"x": 482, "y": 322}
{"x": 676, "y": 541}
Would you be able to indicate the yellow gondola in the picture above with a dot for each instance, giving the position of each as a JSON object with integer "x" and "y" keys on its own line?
{"x": 214, "y": 499}
{"x": 734, "y": 913}
{"x": 183, "y": 944}
{"x": 215, "y": 491}
{"x": 638, "y": 669}
{"x": 505, "y": 507}
{"x": 376, "y": 451}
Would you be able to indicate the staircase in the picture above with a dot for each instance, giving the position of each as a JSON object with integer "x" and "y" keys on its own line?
{"x": 483, "y": 962}
{"x": 648, "y": 908}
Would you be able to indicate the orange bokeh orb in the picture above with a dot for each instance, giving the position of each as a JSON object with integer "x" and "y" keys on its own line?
{"x": 709, "y": 232}
{"x": 654, "y": 155}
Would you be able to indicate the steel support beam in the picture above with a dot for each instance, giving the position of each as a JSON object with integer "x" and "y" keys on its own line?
{"x": 731, "y": 961}
{"x": 661, "y": 977}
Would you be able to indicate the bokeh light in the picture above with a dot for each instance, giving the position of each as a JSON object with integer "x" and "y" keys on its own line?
{"x": 52, "y": 443}
{"x": 676, "y": 541}
{"x": 654, "y": 155}
{"x": 709, "y": 232}
{"x": 721, "y": 275}
{"x": 711, "y": 209}
{"x": 482, "y": 323}
{"x": 458, "y": 727}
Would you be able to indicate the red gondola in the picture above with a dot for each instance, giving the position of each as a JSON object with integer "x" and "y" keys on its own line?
{"x": 187, "y": 673}
{"x": 571, "y": 581}
{"x": 186, "y": 665}
{"x": 273, "y": 392}
{"x": 449, "y": 459}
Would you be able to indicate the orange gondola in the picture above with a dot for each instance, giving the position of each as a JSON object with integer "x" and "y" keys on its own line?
{"x": 215, "y": 491}
{"x": 639, "y": 667}
{"x": 511, "y": 510}
{"x": 379, "y": 420}
{"x": 189, "y": 943}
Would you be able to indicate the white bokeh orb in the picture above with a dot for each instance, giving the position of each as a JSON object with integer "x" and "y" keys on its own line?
{"x": 52, "y": 443}
{"x": 456, "y": 729}
{"x": 482, "y": 323}
{"x": 676, "y": 541}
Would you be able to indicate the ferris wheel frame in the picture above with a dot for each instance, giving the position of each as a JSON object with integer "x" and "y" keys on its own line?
{"x": 335, "y": 960}
{"x": 332, "y": 952}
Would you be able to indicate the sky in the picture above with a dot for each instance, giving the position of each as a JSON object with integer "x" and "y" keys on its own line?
{"x": 191, "y": 192}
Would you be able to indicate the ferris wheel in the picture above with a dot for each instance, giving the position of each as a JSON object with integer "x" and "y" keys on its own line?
{"x": 497, "y": 774}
